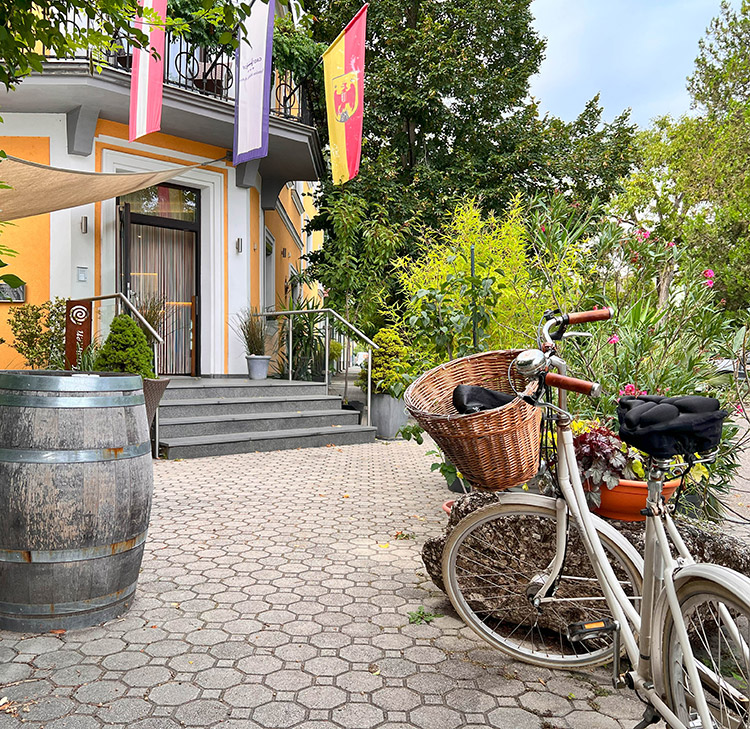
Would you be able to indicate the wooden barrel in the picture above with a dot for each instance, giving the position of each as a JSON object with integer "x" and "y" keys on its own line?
{"x": 76, "y": 480}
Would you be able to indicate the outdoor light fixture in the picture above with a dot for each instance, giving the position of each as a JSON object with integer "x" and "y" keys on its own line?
{"x": 283, "y": 252}
{"x": 238, "y": 245}
{"x": 84, "y": 224}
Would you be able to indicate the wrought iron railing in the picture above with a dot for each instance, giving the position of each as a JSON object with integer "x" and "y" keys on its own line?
{"x": 201, "y": 69}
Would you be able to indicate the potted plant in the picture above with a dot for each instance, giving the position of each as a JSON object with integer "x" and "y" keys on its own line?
{"x": 251, "y": 329}
{"x": 612, "y": 472}
{"x": 388, "y": 383}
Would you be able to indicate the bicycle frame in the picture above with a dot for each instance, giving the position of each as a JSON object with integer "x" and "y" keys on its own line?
{"x": 659, "y": 569}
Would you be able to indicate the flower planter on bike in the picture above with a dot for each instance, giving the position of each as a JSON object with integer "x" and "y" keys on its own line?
{"x": 626, "y": 500}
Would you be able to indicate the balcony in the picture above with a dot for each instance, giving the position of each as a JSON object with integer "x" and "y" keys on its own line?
{"x": 198, "y": 103}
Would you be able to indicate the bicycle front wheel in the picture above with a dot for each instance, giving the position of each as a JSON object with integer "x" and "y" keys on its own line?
{"x": 717, "y": 617}
{"x": 496, "y": 560}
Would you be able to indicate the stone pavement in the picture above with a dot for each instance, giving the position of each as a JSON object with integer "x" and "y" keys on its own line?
{"x": 276, "y": 592}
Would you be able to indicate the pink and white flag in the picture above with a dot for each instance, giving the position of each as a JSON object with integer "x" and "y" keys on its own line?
{"x": 147, "y": 75}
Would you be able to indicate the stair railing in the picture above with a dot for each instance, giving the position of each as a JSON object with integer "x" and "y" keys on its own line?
{"x": 120, "y": 300}
{"x": 328, "y": 314}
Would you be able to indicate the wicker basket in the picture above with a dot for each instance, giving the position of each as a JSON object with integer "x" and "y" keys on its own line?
{"x": 493, "y": 449}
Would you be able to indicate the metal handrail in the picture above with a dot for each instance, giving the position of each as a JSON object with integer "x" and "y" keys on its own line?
{"x": 328, "y": 312}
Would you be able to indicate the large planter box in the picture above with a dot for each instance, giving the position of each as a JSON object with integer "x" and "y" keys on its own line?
{"x": 388, "y": 415}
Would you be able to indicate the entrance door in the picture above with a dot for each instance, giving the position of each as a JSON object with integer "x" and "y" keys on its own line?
{"x": 160, "y": 268}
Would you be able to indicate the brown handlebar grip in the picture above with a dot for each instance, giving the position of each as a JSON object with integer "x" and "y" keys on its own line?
{"x": 583, "y": 387}
{"x": 580, "y": 317}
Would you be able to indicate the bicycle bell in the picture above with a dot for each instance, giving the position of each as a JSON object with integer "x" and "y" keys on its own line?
{"x": 531, "y": 362}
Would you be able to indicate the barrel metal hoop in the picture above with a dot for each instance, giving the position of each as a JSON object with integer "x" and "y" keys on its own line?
{"x": 39, "y": 401}
{"x": 67, "y": 608}
{"x": 70, "y": 383}
{"x": 45, "y": 556}
{"x": 92, "y": 455}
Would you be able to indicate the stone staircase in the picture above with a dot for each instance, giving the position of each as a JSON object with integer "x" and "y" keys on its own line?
{"x": 216, "y": 416}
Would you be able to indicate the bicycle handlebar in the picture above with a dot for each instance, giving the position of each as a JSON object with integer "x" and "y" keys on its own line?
{"x": 580, "y": 317}
{"x": 572, "y": 384}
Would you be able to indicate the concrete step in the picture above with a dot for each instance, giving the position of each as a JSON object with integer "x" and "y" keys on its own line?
{"x": 203, "y": 406}
{"x": 270, "y": 440}
{"x": 253, "y": 422}
{"x": 192, "y": 388}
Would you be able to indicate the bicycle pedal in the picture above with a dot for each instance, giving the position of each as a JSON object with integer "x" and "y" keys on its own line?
{"x": 588, "y": 630}
{"x": 649, "y": 717}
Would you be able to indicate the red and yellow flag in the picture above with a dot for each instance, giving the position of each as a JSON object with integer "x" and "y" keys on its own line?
{"x": 344, "y": 71}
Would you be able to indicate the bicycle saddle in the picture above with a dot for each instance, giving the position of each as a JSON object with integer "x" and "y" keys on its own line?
{"x": 665, "y": 427}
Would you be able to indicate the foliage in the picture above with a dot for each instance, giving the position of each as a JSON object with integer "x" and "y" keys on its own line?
{"x": 201, "y": 30}
{"x": 86, "y": 357}
{"x": 420, "y": 615}
{"x": 39, "y": 333}
{"x": 334, "y": 352}
{"x": 102, "y": 25}
{"x": 351, "y": 264}
{"x": 154, "y": 310}
{"x": 308, "y": 341}
{"x": 603, "y": 459}
{"x": 388, "y": 365}
{"x": 251, "y": 329}
{"x": 125, "y": 349}
{"x": 722, "y": 68}
{"x": 449, "y": 116}
{"x": 8, "y": 278}
{"x": 294, "y": 50}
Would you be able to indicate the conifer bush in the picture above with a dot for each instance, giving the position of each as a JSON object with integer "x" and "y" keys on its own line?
{"x": 125, "y": 350}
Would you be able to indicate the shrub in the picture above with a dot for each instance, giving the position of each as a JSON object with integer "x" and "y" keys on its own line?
{"x": 39, "y": 334}
{"x": 388, "y": 365}
{"x": 251, "y": 329}
{"x": 125, "y": 349}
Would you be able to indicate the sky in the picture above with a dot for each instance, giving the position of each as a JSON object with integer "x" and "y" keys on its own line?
{"x": 637, "y": 53}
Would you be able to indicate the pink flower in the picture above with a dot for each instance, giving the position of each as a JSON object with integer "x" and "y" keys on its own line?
{"x": 543, "y": 229}
{"x": 614, "y": 339}
{"x": 642, "y": 234}
{"x": 670, "y": 244}
{"x": 708, "y": 273}
{"x": 740, "y": 409}
{"x": 708, "y": 283}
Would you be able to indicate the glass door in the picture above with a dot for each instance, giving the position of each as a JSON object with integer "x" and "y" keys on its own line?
{"x": 160, "y": 269}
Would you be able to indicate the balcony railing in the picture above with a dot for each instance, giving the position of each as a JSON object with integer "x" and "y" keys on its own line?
{"x": 209, "y": 71}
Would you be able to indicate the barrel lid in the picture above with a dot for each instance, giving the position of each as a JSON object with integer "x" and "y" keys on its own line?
{"x": 62, "y": 381}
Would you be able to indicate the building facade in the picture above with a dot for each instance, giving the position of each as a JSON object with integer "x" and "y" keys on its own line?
{"x": 211, "y": 241}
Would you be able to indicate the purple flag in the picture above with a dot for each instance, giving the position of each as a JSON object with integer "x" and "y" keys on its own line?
{"x": 253, "y": 74}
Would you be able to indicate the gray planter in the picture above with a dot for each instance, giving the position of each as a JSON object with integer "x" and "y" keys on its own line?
{"x": 388, "y": 415}
{"x": 257, "y": 366}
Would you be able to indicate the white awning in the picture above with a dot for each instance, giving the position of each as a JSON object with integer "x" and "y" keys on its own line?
{"x": 36, "y": 189}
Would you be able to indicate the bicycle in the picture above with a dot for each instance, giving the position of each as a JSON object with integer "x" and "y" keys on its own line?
{"x": 685, "y": 627}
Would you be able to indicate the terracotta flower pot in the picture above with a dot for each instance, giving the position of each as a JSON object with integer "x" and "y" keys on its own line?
{"x": 625, "y": 501}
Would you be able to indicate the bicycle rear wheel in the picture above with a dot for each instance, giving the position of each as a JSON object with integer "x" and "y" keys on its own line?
{"x": 716, "y": 612}
{"x": 496, "y": 560}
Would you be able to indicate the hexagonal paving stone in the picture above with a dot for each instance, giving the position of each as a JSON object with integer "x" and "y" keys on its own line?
{"x": 322, "y": 697}
{"x": 100, "y": 692}
{"x": 102, "y": 647}
{"x": 288, "y": 680}
{"x": 173, "y": 693}
{"x": 326, "y": 666}
{"x": 219, "y": 678}
{"x": 202, "y": 712}
{"x": 248, "y": 695}
{"x": 358, "y": 716}
{"x": 147, "y": 676}
{"x": 396, "y": 699}
{"x": 278, "y": 715}
{"x": 259, "y": 664}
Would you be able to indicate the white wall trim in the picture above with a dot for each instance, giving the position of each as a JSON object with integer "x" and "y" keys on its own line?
{"x": 211, "y": 304}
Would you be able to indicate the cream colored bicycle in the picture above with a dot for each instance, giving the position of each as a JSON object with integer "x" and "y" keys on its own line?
{"x": 547, "y": 582}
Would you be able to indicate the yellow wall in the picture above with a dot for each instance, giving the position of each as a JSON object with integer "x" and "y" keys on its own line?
{"x": 287, "y": 252}
{"x": 30, "y": 238}
{"x": 257, "y": 249}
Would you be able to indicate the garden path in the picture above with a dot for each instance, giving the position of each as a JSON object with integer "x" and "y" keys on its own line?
{"x": 276, "y": 593}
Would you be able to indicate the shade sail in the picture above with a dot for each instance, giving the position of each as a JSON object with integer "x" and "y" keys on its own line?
{"x": 36, "y": 189}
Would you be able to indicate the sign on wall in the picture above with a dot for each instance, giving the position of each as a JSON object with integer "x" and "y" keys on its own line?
{"x": 77, "y": 330}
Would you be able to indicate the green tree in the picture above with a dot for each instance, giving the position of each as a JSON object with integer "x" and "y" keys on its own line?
{"x": 125, "y": 349}
{"x": 448, "y": 115}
